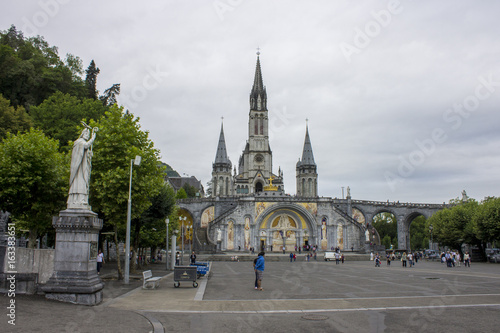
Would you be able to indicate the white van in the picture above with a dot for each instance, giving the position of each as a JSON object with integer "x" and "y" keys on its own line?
{"x": 329, "y": 256}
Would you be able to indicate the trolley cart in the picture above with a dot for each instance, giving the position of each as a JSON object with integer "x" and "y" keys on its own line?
{"x": 183, "y": 274}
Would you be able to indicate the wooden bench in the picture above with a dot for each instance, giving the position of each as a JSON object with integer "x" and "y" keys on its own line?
{"x": 149, "y": 280}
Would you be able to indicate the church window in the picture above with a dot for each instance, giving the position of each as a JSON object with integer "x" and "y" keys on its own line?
{"x": 261, "y": 126}
{"x": 256, "y": 122}
{"x": 258, "y": 187}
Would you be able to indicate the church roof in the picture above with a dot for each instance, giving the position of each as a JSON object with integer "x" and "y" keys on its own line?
{"x": 258, "y": 84}
{"x": 221, "y": 155}
{"x": 307, "y": 153}
{"x": 258, "y": 90}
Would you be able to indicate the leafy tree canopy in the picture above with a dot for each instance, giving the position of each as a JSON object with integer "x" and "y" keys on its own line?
{"x": 60, "y": 116}
{"x": 12, "y": 120}
{"x": 487, "y": 220}
{"x": 118, "y": 141}
{"x": 31, "y": 70}
{"x": 33, "y": 180}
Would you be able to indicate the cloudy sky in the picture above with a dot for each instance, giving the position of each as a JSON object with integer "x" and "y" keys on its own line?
{"x": 402, "y": 97}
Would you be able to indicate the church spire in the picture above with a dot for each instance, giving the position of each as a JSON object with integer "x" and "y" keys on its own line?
{"x": 221, "y": 155}
{"x": 307, "y": 153}
{"x": 307, "y": 175}
{"x": 258, "y": 96}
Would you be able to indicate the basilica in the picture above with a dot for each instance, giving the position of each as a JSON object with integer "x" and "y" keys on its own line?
{"x": 248, "y": 207}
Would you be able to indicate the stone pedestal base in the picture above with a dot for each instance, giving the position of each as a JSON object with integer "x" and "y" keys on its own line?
{"x": 75, "y": 278}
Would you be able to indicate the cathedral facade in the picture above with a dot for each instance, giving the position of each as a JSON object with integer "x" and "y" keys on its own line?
{"x": 248, "y": 207}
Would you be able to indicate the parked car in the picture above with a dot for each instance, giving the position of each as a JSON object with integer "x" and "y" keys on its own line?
{"x": 490, "y": 253}
{"x": 495, "y": 257}
{"x": 431, "y": 254}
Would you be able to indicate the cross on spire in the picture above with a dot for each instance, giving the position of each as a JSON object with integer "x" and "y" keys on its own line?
{"x": 258, "y": 50}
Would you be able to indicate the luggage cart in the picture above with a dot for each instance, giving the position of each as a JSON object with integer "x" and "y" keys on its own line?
{"x": 185, "y": 273}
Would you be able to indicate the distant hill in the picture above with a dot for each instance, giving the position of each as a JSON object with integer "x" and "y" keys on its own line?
{"x": 170, "y": 172}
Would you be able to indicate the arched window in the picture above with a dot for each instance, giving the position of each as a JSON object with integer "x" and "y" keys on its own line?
{"x": 262, "y": 125}
{"x": 258, "y": 187}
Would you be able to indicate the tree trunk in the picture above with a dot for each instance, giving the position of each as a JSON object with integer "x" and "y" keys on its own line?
{"x": 133, "y": 264}
{"x": 137, "y": 230}
{"x": 33, "y": 236}
{"x": 120, "y": 272}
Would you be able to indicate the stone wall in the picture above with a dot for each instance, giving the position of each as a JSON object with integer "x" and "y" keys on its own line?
{"x": 33, "y": 267}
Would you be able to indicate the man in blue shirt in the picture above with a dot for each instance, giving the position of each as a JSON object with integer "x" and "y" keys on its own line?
{"x": 259, "y": 270}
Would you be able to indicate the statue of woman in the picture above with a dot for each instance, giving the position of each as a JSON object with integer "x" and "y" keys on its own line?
{"x": 81, "y": 164}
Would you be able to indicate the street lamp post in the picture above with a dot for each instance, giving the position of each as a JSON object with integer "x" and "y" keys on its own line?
{"x": 137, "y": 162}
{"x": 188, "y": 236}
{"x": 166, "y": 244}
{"x": 182, "y": 220}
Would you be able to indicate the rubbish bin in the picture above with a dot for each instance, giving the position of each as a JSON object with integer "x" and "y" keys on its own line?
{"x": 185, "y": 273}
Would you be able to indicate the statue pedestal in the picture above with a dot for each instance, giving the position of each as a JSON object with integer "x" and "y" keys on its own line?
{"x": 75, "y": 278}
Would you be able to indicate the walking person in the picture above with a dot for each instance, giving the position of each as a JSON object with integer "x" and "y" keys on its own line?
{"x": 410, "y": 259}
{"x": 388, "y": 259}
{"x": 467, "y": 259}
{"x": 192, "y": 258}
{"x": 403, "y": 259}
{"x": 177, "y": 259}
{"x": 100, "y": 260}
{"x": 256, "y": 277}
{"x": 259, "y": 269}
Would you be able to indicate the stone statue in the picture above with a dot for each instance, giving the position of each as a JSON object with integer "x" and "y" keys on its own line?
{"x": 284, "y": 223}
{"x": 367, "y": 235}
{"x": 464, "y": 196}
{"x": 219, "y": 235}
{"x": 348, "y": 192}
{"x": 81, "y": 165}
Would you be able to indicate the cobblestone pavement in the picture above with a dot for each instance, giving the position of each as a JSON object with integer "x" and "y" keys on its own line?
{"x": 297, "y": 297}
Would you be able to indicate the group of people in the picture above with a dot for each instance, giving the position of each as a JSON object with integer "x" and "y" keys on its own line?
{"x": 453, "y": 258}
{"x": 406, "y": 258}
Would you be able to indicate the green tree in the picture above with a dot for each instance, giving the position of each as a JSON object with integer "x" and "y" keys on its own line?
{"x": 33, "y": 181}
{"x": 419, "y": 233}
{"x": 12, "y": 120}
{"x": 181, "y": 194}
{"x": 119, "y": 140}
{"x": 91, "y": 80}
{"x": 149, "y": 229}
{"x": 31, "y": 70}
{"x": 386, "y": 226}
{"x": 190, "y": 190}
{"x": 110, "y": 94}
{"x": 208, "y": 193}
{"x": 487, "y": 220}
{"x": 455, "y": 226}
{"x": 60, "y": 116}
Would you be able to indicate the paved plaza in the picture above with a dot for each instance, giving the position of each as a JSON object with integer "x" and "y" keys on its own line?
{"x": 298, "y": 297}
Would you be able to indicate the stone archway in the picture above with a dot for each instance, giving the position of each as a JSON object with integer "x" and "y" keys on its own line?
{"x": 286, "y": 226}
